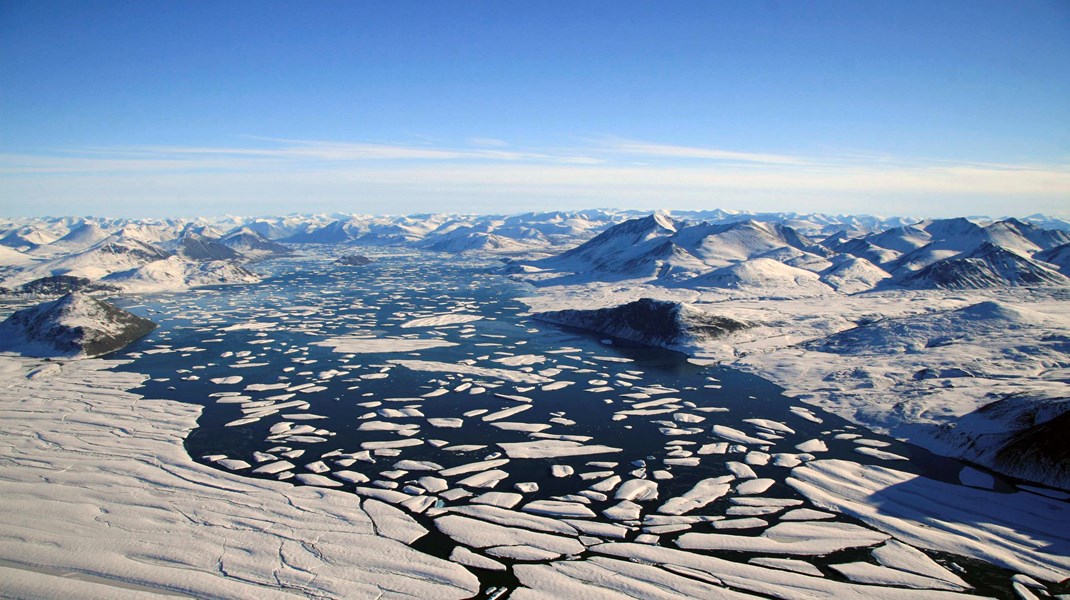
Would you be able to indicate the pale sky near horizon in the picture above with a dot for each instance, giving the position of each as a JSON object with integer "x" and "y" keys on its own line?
{"x": 934, "y": 108}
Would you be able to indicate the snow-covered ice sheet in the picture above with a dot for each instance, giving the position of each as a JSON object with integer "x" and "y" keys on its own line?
{"x": 122, "y": 502}
{"x": 1021, "y": 531}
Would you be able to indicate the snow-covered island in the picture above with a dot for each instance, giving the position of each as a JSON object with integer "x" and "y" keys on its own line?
{"x": 434, "y": 437}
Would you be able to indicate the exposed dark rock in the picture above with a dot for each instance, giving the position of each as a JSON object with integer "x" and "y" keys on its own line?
{"x": 58, "y": 285}
{"x": 654, "y": 322}
{"x": 354, "y": 260}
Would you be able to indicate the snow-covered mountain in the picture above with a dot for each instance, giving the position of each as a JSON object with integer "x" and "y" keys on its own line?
{"x": 720, "y": 245}
{"x": 765, "y": 256}
{"x": 82, "y": 236}
{"x": 252, "y": 244}
{"x": 27, "y": 238}
{"x": 616, "y": 250}
{"x": 464, "y": 239}
{"x": 198, "y": 247}
{"x": 989, "y": 266}
{"x": 76, "y": 326}
{"x": 657, "y": 246}
{"x": 1058, "y": 256}
{"x": 665, "y": 247}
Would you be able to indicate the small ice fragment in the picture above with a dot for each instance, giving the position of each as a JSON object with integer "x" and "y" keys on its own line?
{"x": 811, "y": 446}
{"x": 561, "y": 470}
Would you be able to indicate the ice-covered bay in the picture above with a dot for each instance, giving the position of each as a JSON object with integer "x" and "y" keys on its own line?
{"x": 447, "y": 433}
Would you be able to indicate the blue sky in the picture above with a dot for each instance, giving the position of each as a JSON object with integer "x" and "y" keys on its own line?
{"x": 176, "y": 108}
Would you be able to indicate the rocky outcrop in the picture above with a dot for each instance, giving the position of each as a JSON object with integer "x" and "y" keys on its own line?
{"x": 653, "y": 322}
{"x": 354, "y": 260}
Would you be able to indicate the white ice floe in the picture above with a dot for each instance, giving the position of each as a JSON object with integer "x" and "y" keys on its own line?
{"x": 787, "y": 564}
{"x": 637, "y": 490}
{"x": 792, "y": 538}
{"x": 701, "y": 494}
{"x": 514, "y": 376}
{"x": 740, "y": 470}
{"x": 561, "y": 470}
{"x": 439, "y": 320}
{"x": 881, "y": 454}
{"x": 552, "y": 449}
{"x": 735, "y": 435}
{"x": 317, "y": 480}
{"x": 473, "y": 467}
{"x": 484, "y": 479}
{"x": 464, "y": 556}
{"x": 557, "y": 385}
{"x": 770, "y": 425}
{"x": 499, "y": 499}
{"x": 505, "y": 412}
{"x": 863, "y": 572}
{"x": 445, "y": 422}
{"x": 600, "y": 578}
{"x": 355, "y": 344}
{"x": 754, "y": 486}
{"x": 897, "y": 555}
{"x": 476, "y": 533}
{"x": 557, "y": 508}
{"x": 812, "y": 446}
{"x": 520, "y": 360}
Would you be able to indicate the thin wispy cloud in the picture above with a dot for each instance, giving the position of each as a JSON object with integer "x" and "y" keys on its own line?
{"x": 650, "y": 149}
{"x": 607, "y": 171}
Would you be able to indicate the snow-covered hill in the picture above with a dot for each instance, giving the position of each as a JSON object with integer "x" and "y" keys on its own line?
{"x": 851, "y": 275}
{"x": 175, "y": 273}
{"x": 761, "y": 275}
{"x": 75, "y": 326}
